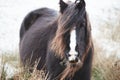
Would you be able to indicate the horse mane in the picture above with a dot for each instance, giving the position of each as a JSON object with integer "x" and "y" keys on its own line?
{"x": 58, "y": 43}
{"x": 66, "y": 22}
{"x": 70, "y": 71}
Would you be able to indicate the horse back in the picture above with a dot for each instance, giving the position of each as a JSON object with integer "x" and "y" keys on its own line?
{"x": 32, "y": 17}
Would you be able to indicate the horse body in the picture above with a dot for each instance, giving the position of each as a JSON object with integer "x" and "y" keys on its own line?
{"x": 46, "y": 36}
{"x": 34, "y": 43}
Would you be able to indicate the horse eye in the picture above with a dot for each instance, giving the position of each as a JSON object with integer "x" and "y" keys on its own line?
{"x": 77, "y": 1}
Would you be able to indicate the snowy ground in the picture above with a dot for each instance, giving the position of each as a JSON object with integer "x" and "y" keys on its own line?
{"x": 12, "y": 13}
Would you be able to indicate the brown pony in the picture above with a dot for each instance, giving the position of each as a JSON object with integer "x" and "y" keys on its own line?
{"x": 61, "y": 43}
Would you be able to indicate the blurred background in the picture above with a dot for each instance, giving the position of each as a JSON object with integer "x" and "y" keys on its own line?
{"x": 104, "y": 16}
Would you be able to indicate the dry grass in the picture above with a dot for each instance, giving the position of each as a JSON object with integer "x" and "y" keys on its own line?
{"x": 20, "y": 73}
{"x": 25, "y": 74}
{"x": 8, "y": 65}
{"x": 107, "y": 42}
{"x": 105, "y": 68}
{"x": 3, "y": 74}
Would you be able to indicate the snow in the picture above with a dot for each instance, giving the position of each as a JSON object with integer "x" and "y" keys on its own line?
{"x": 12, "y": 13}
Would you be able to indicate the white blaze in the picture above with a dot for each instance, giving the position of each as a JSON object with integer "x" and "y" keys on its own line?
{"x": 73, "y": 54}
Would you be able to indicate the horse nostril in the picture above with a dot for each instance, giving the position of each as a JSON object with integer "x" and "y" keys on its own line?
{"x": 75, "y": 60}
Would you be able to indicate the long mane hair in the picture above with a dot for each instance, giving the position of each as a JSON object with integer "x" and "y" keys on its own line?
{"x": 66, "y": 22}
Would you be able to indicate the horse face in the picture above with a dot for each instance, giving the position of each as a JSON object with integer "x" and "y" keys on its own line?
{"x": 77, "y": 44}
{"x": 78, "y": 5}
{"x": 70, "y": 51}
{"x": 74, "y": 12}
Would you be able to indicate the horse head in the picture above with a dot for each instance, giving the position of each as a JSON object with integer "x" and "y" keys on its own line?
{"x": 72, "y": 39}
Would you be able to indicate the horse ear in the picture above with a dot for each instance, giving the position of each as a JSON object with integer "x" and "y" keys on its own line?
{"x": 63, "y": 6}
{"x": 80, "y": 4}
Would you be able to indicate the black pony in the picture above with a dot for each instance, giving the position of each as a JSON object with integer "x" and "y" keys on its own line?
{"x": 61, "y": 43}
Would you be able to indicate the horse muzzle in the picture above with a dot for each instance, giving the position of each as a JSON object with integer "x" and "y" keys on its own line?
{"x": 73, "y": 59}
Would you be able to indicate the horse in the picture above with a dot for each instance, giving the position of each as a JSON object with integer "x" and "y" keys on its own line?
{"x": 61, "y": 41}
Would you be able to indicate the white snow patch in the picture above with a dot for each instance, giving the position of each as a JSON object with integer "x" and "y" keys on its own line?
{"x": 12, "y": 12}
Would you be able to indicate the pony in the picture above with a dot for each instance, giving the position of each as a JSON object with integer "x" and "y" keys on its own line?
{"x": 61, "y": 41}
